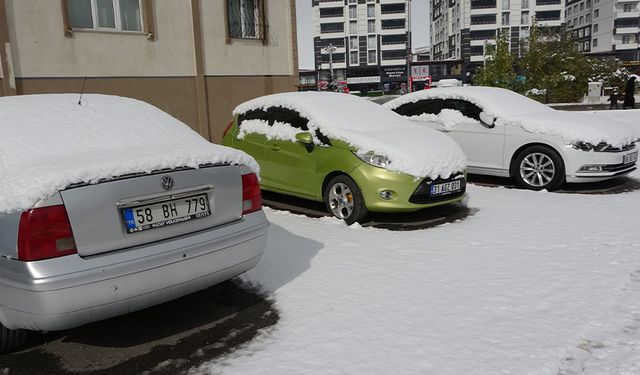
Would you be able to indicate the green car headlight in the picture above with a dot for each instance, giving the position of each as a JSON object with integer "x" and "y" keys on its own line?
{"x": 374, "y": 159}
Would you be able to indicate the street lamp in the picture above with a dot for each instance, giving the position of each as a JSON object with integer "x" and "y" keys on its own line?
{"x": 330, "y": 49}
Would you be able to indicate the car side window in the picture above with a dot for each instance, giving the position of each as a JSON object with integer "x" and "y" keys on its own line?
{"x": 430, "y": 106}
{"x": 256, "y": 114}
{"x": 466, "y": 108}
{"x": 292, "y": 118}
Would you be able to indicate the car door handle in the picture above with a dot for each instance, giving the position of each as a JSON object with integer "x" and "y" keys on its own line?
{"x": 275, "y": 147}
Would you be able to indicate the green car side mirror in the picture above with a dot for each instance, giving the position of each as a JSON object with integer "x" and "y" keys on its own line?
{"x": 305, "y": 138}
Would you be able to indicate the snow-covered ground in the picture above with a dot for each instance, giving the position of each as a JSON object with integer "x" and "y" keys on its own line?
{"x": 531, "y": 283}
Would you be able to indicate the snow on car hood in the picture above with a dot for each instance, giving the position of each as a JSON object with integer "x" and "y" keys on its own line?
{"x": 513, "y": 109}
{"x": 415, "y": 150}
{"x": 49, "y": 142}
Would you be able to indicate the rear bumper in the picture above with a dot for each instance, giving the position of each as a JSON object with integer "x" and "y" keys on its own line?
{"x": 71, "y": 291}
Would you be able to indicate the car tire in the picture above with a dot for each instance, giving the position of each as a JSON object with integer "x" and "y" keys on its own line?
{"x": 344, "y": 200}
{"x": 537, "y": 168}
{"x": 11, "y": 338}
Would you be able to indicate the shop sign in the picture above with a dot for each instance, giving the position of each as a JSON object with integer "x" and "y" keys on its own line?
{"x": 393, "y": 72}
{"x": 357, "y": 80}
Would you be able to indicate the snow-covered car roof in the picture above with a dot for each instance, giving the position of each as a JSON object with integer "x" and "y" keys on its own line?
{"x": 511, "y": 108}
{"x": 411, "y": 148}
{"x": 48, "y": 142}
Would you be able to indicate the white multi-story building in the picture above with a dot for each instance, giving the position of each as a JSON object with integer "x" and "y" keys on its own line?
{"x": 461, "y": 29}
{"x": 606, "y": 27}
{"x": 370, "y": 40}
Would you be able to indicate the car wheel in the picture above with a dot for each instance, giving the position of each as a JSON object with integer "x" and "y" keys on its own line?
{"x": 344, "y": 200}
{"x": 11, "y": 338}
{"x": 537, "y": 168}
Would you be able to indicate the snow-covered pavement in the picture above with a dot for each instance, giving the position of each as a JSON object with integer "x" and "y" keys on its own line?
{"x": 532, "y": 283}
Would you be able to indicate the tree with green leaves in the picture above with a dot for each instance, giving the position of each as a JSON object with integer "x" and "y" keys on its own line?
{"x": 498, "y": 70}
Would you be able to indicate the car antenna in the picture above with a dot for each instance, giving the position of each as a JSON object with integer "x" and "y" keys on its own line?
{"x": 82, "y": 91}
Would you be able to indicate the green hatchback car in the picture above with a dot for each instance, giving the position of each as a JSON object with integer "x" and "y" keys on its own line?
{"x": 354, "y": 155}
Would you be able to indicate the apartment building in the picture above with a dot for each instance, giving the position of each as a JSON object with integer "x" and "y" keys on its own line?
{"x": 195, "y": 59}
{"x": 606, "y": 27}
{"x": 462, "y": 29}
{"x": 364, "y": 42}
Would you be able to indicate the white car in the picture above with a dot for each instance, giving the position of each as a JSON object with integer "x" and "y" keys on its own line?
{"x": 506, "y": 134}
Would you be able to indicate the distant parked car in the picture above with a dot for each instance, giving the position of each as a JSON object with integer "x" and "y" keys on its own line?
{"x": 112, "y": 206}
{"x": 506, "y": 134}
{"x": 353, "y": 154}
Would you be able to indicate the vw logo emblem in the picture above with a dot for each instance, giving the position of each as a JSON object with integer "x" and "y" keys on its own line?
{"x": 167, "y": 183}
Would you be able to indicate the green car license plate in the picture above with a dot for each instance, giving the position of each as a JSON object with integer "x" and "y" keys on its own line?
{"x": 157, "y": 215}
{"x": 445, "y": 188}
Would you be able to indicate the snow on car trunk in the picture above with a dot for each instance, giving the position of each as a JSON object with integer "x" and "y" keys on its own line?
{"x": 50, "y": 141}
{"x": 513, "y": 109}
{"x": 367, "y": 126}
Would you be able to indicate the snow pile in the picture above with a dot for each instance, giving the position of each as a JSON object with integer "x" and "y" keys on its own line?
{"x": 448, "y": 118}
{"x": 369, "y": 127}
{"x": 513, "y": 109}
{"x": 278, "y": 130}
{"x": 49, "y": 142}
{"x": 478, "y": 296}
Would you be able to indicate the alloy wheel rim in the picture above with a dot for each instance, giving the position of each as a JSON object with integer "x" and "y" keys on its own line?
{"x": 341, "y": 200}
{"x": 537, "y": 169}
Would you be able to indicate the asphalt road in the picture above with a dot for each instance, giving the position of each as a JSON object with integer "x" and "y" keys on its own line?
{"x": 166, "y": 339}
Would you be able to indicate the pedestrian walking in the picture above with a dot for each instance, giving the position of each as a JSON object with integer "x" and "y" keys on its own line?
{"x": 629, "y": 100}
{"x": 613, "y": 98}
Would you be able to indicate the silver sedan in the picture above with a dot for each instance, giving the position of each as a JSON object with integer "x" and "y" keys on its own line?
{"x": 95, "y": 250}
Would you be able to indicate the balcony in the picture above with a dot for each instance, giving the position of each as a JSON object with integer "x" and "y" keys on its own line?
{"x": 621, "y": 47}
{"x": 621, "y": 14}
{"x": 627, "y": 30}
{"x": 330, "y": 3}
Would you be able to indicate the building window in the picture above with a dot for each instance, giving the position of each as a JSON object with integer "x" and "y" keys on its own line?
{"x": 353, "y": 27}
{"x": 353, "y": 42}
{"x": 353, "y": 58}
{"x": 372, "y": 42}
{"x": 114, "y": 15}
{"x": 505, "y": 18}
{"x": 353, "y": 11}
{"x": 595, "y": 42}
{"x": 524, "y": 18}
{"x": 587, "y": 31}
{"x": 626, "y": 39}
{"x": 525, "y": 4}
{"x": 372, "y": 57}
{"x": 596, "y": 13}
{"x": 569, "y": 23}
{"x": 371, "y": 26}
{"x": 581, "y": 20}
{"x": 505, "y": 4}
{"x": 245, "y": 20}
{"x": 628, "y": 8}
{"x": 586, "y": 46}
{"x": 371, "y": 10}
{"x": 595, "y": 28}
{"x": 568, "y": 11}
{"x": 581, "y": 6}
{"x": 580, "y": 33}
{"x": 588, "y": 18}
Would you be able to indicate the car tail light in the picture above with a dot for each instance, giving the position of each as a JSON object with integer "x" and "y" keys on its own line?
{"x": 45, "y": 233}
{"x": 251, "y": 196}
{"x": 226, "y": 130}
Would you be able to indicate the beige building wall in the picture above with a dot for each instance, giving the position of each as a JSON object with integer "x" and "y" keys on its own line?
{"x": 242, "y": 57}
{"x": 40, "y": 48}
{"x": 165, "y": 70}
